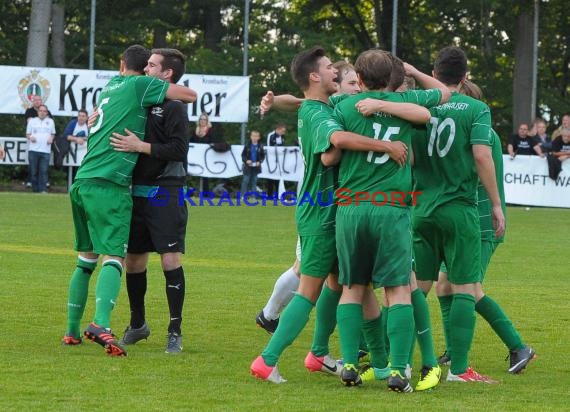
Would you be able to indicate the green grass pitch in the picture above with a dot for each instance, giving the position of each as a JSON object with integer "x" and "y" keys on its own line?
{"x": 234, "y": 254}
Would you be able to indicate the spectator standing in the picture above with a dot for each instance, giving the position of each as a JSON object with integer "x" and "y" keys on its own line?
{"x": 561, "y": 146}
{"x": 565, "y": 123}
{"x": 2, "y": 152}
{"x": 275, "y": 138}
{"x": 33, "y": 111}
{"x": 40, "y": 133}
{"x": 538, "y": 132}
{"x": 253, "y": 155}
{"x": 203, "y": 133}
{"x": 30, "y": 113}
{"x": 76, "y": 131}
{"x": 521, "y": 143}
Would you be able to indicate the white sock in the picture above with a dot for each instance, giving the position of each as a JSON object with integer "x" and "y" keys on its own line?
{"x": 283, "y": 292}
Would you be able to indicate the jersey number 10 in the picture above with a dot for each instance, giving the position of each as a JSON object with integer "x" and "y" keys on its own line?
{"x": 437, "y": 130}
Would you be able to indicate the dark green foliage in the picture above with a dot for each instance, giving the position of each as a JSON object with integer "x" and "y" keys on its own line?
{"x": 210, "y": 33}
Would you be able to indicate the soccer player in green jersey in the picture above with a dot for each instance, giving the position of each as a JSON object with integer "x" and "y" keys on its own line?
{"x": 404, "y": 78}
{"x": 100, "y": 197}
{"x": 286, "y": 284}
{"x": 519, "y": 353}
{"x": 312, "y": 70}
{"x": 373, "y": 221}
{"x": 449, "y": 162}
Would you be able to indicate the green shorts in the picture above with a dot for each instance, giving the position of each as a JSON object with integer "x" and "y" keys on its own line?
{"x": 451, "y": 235}
{"x": 101, "y": 216}
{"x": 487, "y": 249}
{"x": 318, "y": 255}
{"x": 374, "y": 245}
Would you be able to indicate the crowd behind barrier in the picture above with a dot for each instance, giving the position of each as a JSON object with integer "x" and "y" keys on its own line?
{"x": 526, "y": 178}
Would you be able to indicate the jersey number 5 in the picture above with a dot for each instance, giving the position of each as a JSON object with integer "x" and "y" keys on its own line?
{"x": 437, "y": 130}
{"x": 100, "y": 116}
{"x": 377, "y": 130}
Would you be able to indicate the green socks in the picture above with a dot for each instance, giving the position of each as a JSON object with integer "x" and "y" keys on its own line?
{"x": 375, "y": 337}
{"x": 106, "y": 292}
{"x": 291, "y": 323}
{"x": 501, "y": 324}
{"x": 445, "y": 307}
{"x": 78, "y": 291}
{"x": 325, "y": 323}
{"x": 423, "y": 328}
{"x": 401, "y": 335}
{"x": 462, "y": 328}
{"x": 349, "y": 316}
{"x": 384, "y": 321}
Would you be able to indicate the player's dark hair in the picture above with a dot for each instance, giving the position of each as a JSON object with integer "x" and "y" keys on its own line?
{"x": 374, "y": 68}
{"x": 136, "y": 58}
{"x": 450, "y": 65}
{"x": 304, "y": 64}
{"x": 172, "y": 59}
{"x": 83, "y": 111}
{"x": 398, "y": 73}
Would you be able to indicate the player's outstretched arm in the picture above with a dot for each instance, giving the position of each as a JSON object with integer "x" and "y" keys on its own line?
{"x": 486, "y": 172}
{"x": 427, "y": 82}
{"x": 182, "y": 93}
{"x": 408, "y": 111}
{"x": 282, "y": 102}
{"x": 398, "y": 151}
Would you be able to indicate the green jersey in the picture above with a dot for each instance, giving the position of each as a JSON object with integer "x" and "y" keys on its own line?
{"x": 316, "y": 210}
{"x": 444, "y": 165}
{"x": 123, "y": 104}
{"x": 483, "y": 203}
{"x": 376, "y": 174}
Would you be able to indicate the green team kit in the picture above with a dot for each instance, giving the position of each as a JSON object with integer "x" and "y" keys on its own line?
{"x": 376, "y": 241}
{"x": 445, "y": 220}
{"x": 316, "y": 221}
{"x": 489, "y": 241}
{"x": 100, "y": 196}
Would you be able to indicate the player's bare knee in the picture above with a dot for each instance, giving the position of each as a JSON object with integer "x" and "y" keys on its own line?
{"x": 136, "y": 262}
{"x": 170, "y": 261}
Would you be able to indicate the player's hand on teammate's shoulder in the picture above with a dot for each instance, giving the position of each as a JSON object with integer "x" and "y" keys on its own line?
{"x": 368, "y": 106}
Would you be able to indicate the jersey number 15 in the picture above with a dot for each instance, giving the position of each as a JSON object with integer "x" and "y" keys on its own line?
{"x": 374, "y": 157}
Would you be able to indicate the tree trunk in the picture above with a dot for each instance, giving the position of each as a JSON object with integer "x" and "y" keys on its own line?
{"x": 522, "y": 79}
{"x": 159, "y": 38}
{"x": 38, "y": 36}
{"x": 57, "y": 35}
{"x": 213, "y": 29}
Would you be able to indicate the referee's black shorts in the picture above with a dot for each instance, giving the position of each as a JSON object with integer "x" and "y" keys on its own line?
{"x": 159, "y": 224}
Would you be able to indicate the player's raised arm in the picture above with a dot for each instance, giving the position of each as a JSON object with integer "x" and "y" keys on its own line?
{"x": 182, "y": 93}
{"x": 428, "y": 82}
